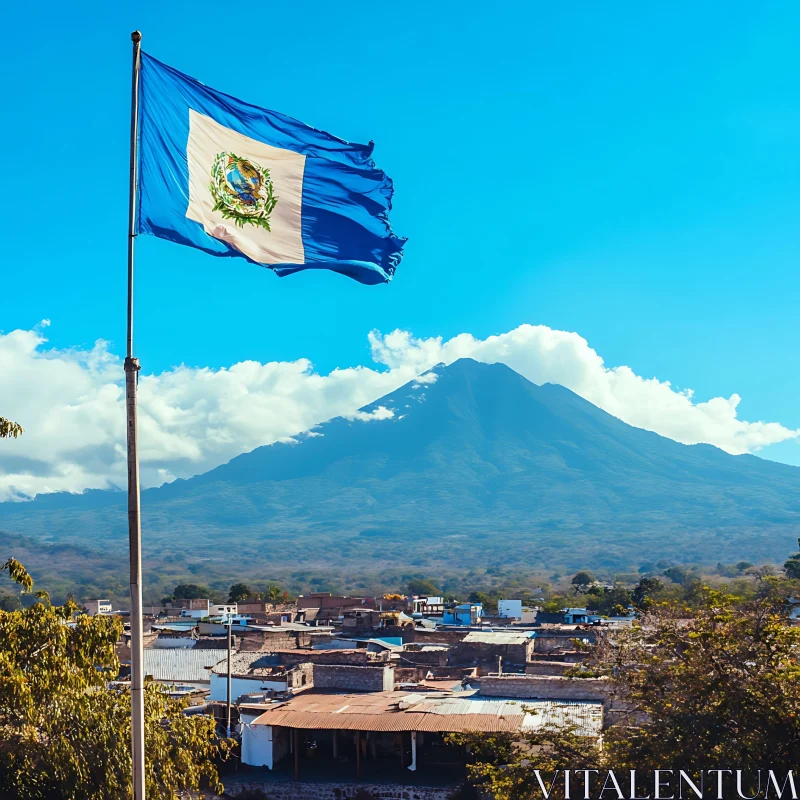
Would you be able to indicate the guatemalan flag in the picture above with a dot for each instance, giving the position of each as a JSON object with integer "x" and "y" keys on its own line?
{"x": 236, "y": 180}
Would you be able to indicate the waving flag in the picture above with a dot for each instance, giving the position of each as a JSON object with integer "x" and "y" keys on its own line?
{"x": 236, "y": 180}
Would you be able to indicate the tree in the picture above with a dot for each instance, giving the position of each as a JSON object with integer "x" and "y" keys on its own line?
{"x": 555, "y": 604}
{"x": 609, "y": 601}
{"x": 644, "y": 591}
{"x": 792, "y": 566}
{"x": 422, "y": 587}
{"x": 743, "y": 565}
{"x": 190, "y": 591}
{"x": 487, "y": 599}
{"x": 9, "y": 429}
{"x": 239, "y": 592}
{"x": 505, "y": 764}
{"x": 677, "y": 575}
{"x": 723, "y": 689}
{"x": 65, "y": 732}
{"x": 274, "y": 593}
{"x": 582, "y": 579}
{"x": 715, "y": 684}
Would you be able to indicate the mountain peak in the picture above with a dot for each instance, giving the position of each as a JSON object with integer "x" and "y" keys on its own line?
{"x": 478, "y": 464}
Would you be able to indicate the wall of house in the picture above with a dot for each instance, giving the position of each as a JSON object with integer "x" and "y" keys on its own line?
{"x": 240, "y": 686}
{"x": 486, "y": 653}
{"x": 220, "y": 643}
{"x": 267, "y": 641}
{"x": 551, "y": 642}
{"x": 172, "y": 642}
{"x": 354, "y": 658}
{"x": 510, "y": 608}
{"x": 301, "y": 676}
{"x": 257, "y": 741}
{"x": 438, "y": 637}
{"x": 546, "y": 687}
{"x": 570, "y": 656}
{"x": 354, "y": 679}
{"x": 541, "y": 667}
{"x": 324, "y": 600}
{"x": 428, "y": 658}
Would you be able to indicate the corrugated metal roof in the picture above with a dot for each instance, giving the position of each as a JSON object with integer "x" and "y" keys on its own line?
{"x": 389, "y": 722}
{"x": 458, "y": 713}
{"x": 498, "y": 637}
{"x": 181, "y": 664}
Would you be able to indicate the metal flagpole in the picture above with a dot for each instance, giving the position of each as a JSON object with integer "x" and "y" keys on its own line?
{"x": 134, "y": 521}
{"x": 229, "y": 678}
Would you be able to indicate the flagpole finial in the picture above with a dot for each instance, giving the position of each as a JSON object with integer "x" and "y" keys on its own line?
{"x": 136, "y": 36}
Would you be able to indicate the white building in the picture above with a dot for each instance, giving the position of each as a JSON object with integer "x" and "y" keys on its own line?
{"x": 510, "y": 609}
{"x": 95, "y": 607}
{"x": 210, "y": 610}
{"x": 252, "y": 673}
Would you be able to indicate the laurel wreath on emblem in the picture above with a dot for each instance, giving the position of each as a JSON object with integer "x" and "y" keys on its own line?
{"x": 242, "y": 190}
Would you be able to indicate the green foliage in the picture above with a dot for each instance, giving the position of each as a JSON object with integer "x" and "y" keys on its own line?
{"x": 723, "y": 689}
{"x": 646, "y": 591}
{"x": 555, "y": 604}
{"x": 65, "y": 732}
{"x": 704, "y": 686}
{"x": 582, "y": 579}
{"x": 274, "y": 593}
{"x": 505, "y": 766}
{"x": 677, "y": 575}
{"x": 608, "y": 601}
{"x": 9, "y": 429}
{"x": 422, "y": 586}
{"x": 190, "y": 591}
{"x": 792, "y": 566}
{"x": 487, "y": 599}
{"x": 239, "y": 592}
{"x": 18, "y": 574}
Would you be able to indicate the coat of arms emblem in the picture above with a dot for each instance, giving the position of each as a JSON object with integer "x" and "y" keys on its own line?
{"x": 242, "y": 190}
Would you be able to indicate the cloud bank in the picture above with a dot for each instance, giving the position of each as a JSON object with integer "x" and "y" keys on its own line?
{"x": 71, "y": 403}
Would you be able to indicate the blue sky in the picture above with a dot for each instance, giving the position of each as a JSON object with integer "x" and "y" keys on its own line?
{"x": 627, "y": 171}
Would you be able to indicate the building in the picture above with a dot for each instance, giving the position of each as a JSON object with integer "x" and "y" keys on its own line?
{"x": 95, "y": 607}
{"x": 206, "y": 608}
{"x": 256, "y": 673}
{"x": 463, "y": 614}
{"x": 509, "y": 609}
{"x": 580, "y": 616}
{"x": 484, "y": 648}
{"x": 428, "y": 606}
{"x": 327, "y": 601}
{"x": 391, "y": 732}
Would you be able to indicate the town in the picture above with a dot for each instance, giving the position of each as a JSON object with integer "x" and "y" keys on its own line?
{"x": 351, "y": 689}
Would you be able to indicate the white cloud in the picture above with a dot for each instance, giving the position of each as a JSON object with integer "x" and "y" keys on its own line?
{"x": 381, "y": 412}
{"x": 71, "y": 403}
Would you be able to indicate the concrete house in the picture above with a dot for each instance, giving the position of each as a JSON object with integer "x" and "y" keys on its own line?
{"x": 463, "y": 614}
{"x": 388, "y": 733}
